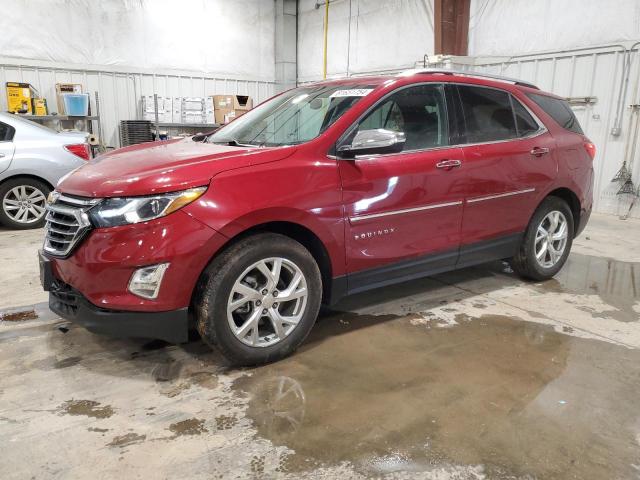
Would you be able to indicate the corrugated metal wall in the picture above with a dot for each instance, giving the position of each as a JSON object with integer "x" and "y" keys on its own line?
{"x": 120, "y": 91}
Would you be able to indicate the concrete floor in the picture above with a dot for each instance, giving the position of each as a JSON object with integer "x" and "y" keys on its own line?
{"x": 468, "y": 375}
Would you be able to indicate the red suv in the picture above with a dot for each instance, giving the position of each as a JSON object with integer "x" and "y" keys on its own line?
{"x": 320, "y": 192}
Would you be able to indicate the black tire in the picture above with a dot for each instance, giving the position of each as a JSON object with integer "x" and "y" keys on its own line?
{"x": 5, "y": 189}
{"x": 524, "y": 262}
{"x": 215, "y": 287}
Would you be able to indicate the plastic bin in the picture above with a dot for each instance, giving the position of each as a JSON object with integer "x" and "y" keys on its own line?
{"x": 76, "y": 104}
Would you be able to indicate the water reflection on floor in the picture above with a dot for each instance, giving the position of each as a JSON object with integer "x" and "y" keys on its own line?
{"x": 386, "y": 395}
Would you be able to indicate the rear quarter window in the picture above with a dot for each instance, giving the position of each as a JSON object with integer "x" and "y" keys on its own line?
{"x": 559, "y": 110}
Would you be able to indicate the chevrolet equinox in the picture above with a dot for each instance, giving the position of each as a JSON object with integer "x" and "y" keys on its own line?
{"x": 322, "y": 191}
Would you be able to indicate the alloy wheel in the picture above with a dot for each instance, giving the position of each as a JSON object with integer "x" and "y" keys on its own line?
{"x": 551, "y": 239}
{"x": 267, "y": 302}
{"x": 24, "y": 204}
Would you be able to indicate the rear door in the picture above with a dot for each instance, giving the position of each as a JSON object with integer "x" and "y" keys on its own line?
{"x": 7, "y": 146}
{"x": 403, "y": 209}
{"x": 508, "y": 160}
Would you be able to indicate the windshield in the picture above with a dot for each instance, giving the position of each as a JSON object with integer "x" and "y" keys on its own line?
{"x": 294, "y": 117}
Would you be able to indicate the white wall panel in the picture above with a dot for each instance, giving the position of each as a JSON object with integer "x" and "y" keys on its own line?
{"x": 225, "y": 37}
{"x": 364, "y": 36}
{"x": 507, "y": 27}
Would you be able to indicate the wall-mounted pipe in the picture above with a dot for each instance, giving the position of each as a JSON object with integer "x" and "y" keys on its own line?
{"x": 326, "y": 35}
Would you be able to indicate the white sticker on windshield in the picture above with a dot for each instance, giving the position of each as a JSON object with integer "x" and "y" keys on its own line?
{"x": 354, "y": 92}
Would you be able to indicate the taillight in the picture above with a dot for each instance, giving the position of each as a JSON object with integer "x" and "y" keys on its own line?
{"x": 591, "y": 149}
{"x": 79, "y": 150}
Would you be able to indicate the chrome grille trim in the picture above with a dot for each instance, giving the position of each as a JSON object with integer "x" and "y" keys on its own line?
{"x": 83, "y": 202}
{"x": 66, "y": 224}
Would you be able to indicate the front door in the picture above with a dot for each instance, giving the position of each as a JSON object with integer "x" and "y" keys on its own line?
{"x": 404, "y": 210}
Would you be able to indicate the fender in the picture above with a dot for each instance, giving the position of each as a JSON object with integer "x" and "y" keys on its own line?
{"x": 284, "y": 191}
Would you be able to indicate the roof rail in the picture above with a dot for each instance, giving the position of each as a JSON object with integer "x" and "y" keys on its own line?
{"x": 447, "y": 71}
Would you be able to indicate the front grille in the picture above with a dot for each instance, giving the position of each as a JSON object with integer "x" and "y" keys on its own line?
{"x": 64, "y": 300}
{"x": 67, "y": 223}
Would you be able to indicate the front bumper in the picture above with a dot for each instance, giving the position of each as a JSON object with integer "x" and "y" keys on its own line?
{"x": 90, "y": 287}
{"x": 68, "y": 303}
{"x": 101, "y": 266}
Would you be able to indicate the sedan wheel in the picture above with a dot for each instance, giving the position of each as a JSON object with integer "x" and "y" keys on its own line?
{"x": 24, "y": 204}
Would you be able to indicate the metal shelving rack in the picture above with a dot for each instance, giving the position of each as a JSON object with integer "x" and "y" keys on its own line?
{"x": 157, "y": 124}
{"x": 89, "y": 119}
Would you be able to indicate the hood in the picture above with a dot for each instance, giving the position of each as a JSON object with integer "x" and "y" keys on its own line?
{"x": 159, "y": 167}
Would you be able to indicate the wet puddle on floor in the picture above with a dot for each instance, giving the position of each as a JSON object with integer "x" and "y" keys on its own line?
{"x": 515, "y": 397}
{"x": 616, "y": 283}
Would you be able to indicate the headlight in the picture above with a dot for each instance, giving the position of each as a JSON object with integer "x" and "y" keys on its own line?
{"x": 122, "y": 211}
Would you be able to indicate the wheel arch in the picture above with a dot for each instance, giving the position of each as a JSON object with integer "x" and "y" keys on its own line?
{"x": 572, "y": 200}
{"x": 27, "y": 175}
{"x": 299, "y": 233}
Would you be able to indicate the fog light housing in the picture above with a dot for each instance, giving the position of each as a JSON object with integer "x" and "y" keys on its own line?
{"x": 145, "y": 282}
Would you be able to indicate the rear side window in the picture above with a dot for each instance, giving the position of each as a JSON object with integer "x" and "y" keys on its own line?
{"x": 6, "y": 132}
{"x": 488, "y": 115}
{"x": 559, "y": 110}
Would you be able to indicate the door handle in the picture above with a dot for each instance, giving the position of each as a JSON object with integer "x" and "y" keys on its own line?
{"x": 539, "y": 151}
{"x": 448, "y": 164}
{"x": 1, "y": 155}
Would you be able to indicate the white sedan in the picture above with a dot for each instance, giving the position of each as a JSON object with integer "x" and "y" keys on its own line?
{"x": 32, "y": 160}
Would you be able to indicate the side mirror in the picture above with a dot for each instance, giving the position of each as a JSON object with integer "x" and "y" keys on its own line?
{"x": 374, "y": 142}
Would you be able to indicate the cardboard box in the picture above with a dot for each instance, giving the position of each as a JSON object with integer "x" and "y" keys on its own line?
{"x": 230, "y": 106}
{"x": 176, "y": 116}
{"x": 62, "y": 88}
{"x": 193, "y": 104}
{"x": 193, "y": 117}
{"x": 209, "y": 110}
{"x": 165, "y": 109}
{"x": 20, "y": 97}
{"x": 40, "y": 106}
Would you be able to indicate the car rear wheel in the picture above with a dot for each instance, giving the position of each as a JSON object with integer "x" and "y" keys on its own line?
{"x": 547, "y": 241}
{"x": 259, "y": 299}
{"x": 22, "y": 203}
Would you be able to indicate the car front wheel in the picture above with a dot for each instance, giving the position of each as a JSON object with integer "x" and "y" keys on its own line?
{"x": 547, "y": 241}
{"x": 259, "y": 299}
{"x": 22, "y": 203}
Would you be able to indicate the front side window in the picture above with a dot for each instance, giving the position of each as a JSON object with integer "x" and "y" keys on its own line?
{"x": 559, "y": 110}
{"x": 419, "y": 112}
{"x": 6, "y": 132}
{"x": 488, "y": 115}
{"x": 294, "y": 117}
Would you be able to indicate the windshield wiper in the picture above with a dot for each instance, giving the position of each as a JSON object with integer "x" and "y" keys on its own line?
{"x": 232, "y": 142}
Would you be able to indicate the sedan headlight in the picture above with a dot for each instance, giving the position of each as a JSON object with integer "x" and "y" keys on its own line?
{"x": 122, "y": 211}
